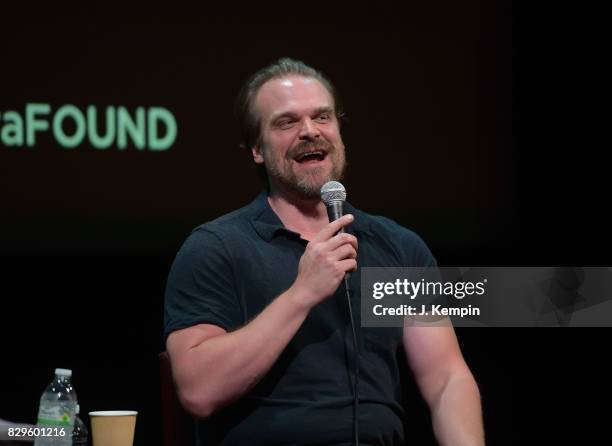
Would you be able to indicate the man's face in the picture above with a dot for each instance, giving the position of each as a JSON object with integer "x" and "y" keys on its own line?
{"x": 300, "y": 144}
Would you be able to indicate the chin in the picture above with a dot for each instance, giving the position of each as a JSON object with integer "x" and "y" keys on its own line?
{"x": 311, "y": 189}
{"x": 308, "y": 184}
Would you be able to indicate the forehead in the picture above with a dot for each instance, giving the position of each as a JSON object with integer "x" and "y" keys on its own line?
{"x": 291, "y": 94}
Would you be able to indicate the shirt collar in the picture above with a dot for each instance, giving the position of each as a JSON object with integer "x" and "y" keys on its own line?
{"x": 267, "y": 224}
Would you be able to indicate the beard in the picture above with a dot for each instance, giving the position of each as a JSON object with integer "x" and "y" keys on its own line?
{"x": 308, "y": 182}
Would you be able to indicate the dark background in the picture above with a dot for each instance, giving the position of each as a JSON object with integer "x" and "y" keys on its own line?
{"x": 484, "y": 126}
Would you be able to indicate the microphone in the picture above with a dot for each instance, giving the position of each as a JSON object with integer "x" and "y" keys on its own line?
{"x": 333, "y": 195}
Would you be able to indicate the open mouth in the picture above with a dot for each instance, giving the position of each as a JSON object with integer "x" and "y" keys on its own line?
{"x": 311, "y": 157}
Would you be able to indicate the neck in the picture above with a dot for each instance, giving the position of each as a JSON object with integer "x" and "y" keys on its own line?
{"x": 306, "y": 216}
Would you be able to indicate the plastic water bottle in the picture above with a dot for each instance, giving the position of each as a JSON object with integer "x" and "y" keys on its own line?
{"x": 80, "y": 432}
{"x": 57, "y": 411}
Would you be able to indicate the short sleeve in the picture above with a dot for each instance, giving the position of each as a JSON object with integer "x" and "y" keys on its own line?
{"x": 419, "y": 255}
{"x": 201, "y": 287}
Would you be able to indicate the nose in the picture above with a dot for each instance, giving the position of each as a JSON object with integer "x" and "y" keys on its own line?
{"x": 309, "y": 130}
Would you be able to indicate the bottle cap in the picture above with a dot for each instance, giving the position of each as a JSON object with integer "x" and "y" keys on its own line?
{"x": 63, "y": 372}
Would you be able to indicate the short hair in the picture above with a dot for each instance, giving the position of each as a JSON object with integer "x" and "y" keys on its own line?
{"x": 248, "y": 121}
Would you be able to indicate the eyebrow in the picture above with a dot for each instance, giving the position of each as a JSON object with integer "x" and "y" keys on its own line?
{"x": 290, "y": 114}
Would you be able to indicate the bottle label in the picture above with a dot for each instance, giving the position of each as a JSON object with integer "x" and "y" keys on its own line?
{"x": 54, "y": 416}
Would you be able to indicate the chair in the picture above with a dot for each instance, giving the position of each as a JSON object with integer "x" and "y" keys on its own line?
{"x": 177, "y": 425}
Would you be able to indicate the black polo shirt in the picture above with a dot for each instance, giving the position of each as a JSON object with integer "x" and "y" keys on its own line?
{"x": 230, "y": 269}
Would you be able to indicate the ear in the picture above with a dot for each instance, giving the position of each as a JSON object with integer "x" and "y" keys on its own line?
{"x": 257, "y": 154}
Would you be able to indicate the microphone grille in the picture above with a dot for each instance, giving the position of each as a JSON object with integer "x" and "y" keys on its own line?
{"x": 333, "y": 191}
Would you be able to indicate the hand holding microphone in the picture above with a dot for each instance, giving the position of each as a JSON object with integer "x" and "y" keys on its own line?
{"x": 330, "y": 255}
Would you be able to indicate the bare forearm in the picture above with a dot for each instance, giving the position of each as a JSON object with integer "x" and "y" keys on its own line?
{"x": 457, "y": 414}
{"x": 223, "y": 368}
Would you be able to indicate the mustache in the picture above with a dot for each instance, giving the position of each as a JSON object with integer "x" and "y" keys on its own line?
{"x": 309, "y": 146}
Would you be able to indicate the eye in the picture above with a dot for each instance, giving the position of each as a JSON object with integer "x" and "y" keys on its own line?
{"x": 323, "y": 117}
{"x": 285, "y": 123}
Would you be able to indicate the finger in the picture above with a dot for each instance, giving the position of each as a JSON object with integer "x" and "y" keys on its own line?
{"x": 330, "y": 230}
{"x": 344, "y": 252}
{"x": 348, "y": 265}
{"x": 341, "y": 239}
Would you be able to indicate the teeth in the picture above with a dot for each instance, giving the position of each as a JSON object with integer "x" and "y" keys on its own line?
{"x": 304, "y": 155}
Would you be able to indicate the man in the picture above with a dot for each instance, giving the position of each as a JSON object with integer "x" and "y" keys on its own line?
{"x": 256, "y": 319}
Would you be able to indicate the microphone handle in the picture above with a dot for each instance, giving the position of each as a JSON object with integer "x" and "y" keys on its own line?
{"x": 335, "y": 210}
